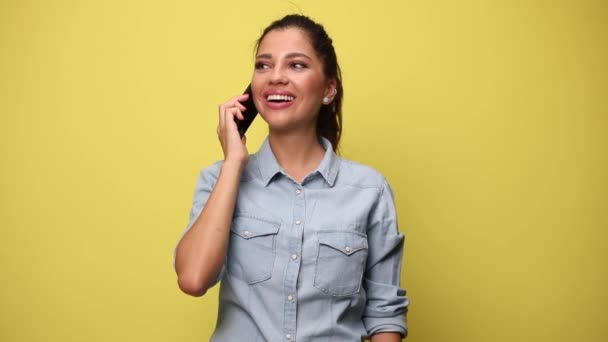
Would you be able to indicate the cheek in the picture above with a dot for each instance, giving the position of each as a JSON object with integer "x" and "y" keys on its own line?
{"x": 314, "y": 88}
{"x": 255, "y": 83}
{"x": 256, "y": 88}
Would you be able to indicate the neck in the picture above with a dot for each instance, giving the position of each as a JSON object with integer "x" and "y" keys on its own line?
{"x": 298, "y": 155}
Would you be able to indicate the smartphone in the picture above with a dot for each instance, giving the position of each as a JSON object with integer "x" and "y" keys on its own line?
{"x": 248, "y": 115}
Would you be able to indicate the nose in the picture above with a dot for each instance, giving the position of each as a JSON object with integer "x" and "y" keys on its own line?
{"x": 277, "y": 76}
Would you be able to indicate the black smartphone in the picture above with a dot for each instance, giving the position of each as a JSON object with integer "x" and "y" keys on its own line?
{"x": 248, "y": 115}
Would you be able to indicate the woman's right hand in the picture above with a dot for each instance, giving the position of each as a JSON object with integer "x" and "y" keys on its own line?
{"x": 235, "y": 149}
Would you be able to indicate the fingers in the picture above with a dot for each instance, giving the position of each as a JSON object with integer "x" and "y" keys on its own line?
{"x": 226, "y": 120}
{"x": 230, "y": 109}
{"x": 235, "y": 102}
{"x": 227, "y": 111}
{"x": 239, "y": 114}
{"x": 222, "y": 115}
{"x": 230, "y": 113}
{"x": 227, "y": 131}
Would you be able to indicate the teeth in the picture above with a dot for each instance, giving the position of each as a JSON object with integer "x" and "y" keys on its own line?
{"x": 279, "y": 98}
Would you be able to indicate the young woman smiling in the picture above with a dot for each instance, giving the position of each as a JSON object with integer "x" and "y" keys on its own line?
{"x": 305, "y": 242}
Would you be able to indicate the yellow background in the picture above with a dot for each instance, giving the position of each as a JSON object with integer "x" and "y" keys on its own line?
{"x": 489, "y": 119}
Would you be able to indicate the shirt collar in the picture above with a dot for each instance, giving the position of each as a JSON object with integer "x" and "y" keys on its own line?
{"x": 268, "y": 165}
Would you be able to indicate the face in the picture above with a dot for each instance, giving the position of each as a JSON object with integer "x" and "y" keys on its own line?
{"x": 288, "y": 82}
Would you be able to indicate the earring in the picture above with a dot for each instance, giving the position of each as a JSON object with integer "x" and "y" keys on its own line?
{"x": 327, "y": 100}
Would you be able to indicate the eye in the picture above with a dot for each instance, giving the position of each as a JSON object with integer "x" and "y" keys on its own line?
{"x": 261, "y": 66}
{"x": 299, "y": 65}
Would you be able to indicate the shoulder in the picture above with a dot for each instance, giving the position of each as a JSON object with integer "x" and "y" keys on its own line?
{"x": 213, "y": 169}
{"x": 209, "y": 174}
{"x": 360, "y": 175}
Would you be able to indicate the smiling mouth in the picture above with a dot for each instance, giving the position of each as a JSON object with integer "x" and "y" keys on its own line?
{"x": 280, "y": 98}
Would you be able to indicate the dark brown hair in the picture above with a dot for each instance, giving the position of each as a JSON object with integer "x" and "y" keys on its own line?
{"x": 329, "y": 122}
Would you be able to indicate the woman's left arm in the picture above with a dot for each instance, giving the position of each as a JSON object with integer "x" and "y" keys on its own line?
{"x": 386, "y": 308}
{"x": 386, "y": 337}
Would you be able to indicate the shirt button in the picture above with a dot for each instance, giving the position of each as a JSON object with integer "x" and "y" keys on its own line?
{"x": 294, "y": 257}
{"x": 347, "y": 249}
{"x": 246, "y": 233}
{"x": 298, "y": 191}
{"x": 288, "y": 336}
{"x": 290, "y": 298}
{"x": 298, "y": 222}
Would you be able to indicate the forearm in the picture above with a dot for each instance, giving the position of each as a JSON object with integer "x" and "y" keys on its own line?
{"x": 387, "y": 303}
{"x": 202, "y": 250}
{"x": 386, "y": 337}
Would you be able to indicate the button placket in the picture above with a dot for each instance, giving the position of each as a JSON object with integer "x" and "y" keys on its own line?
{"x": 293, "y": 266}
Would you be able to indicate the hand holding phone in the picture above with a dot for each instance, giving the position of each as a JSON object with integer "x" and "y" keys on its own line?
{"x": 248, "y": 115}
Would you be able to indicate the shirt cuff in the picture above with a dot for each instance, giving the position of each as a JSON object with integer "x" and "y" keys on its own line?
{"x": 375, "y": 325}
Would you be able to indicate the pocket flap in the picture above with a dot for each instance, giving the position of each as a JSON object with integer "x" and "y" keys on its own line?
{"x": 343, "y": 241}
{"x": 248, "y": 227}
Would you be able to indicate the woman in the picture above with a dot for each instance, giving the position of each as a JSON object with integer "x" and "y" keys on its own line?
{"x": 305, "y": 243}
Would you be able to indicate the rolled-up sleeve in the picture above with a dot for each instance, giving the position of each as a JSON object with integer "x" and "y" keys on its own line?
{"x": 204, "y": 185}
{"x": 387, "y": 303}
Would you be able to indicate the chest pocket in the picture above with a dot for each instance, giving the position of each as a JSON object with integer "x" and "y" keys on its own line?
{"x": 251, "y": 252}
{"x": 341, "y": 261}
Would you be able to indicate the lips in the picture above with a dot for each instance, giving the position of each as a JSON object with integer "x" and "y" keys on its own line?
{"x": 278, "y": 98}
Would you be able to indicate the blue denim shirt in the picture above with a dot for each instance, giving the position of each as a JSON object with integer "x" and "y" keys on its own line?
{"x": 317, "y": 261}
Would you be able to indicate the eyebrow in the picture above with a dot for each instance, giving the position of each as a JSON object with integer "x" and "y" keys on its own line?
{"x": 289, "y": 55}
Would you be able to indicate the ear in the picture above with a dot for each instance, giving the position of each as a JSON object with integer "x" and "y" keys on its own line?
{"x": 330, "y": 91}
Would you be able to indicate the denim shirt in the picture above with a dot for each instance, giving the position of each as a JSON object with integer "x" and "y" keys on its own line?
{"x": 313, "y": 261}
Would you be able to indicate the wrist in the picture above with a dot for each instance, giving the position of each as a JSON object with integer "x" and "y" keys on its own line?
{"x": 234, "y": 165}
